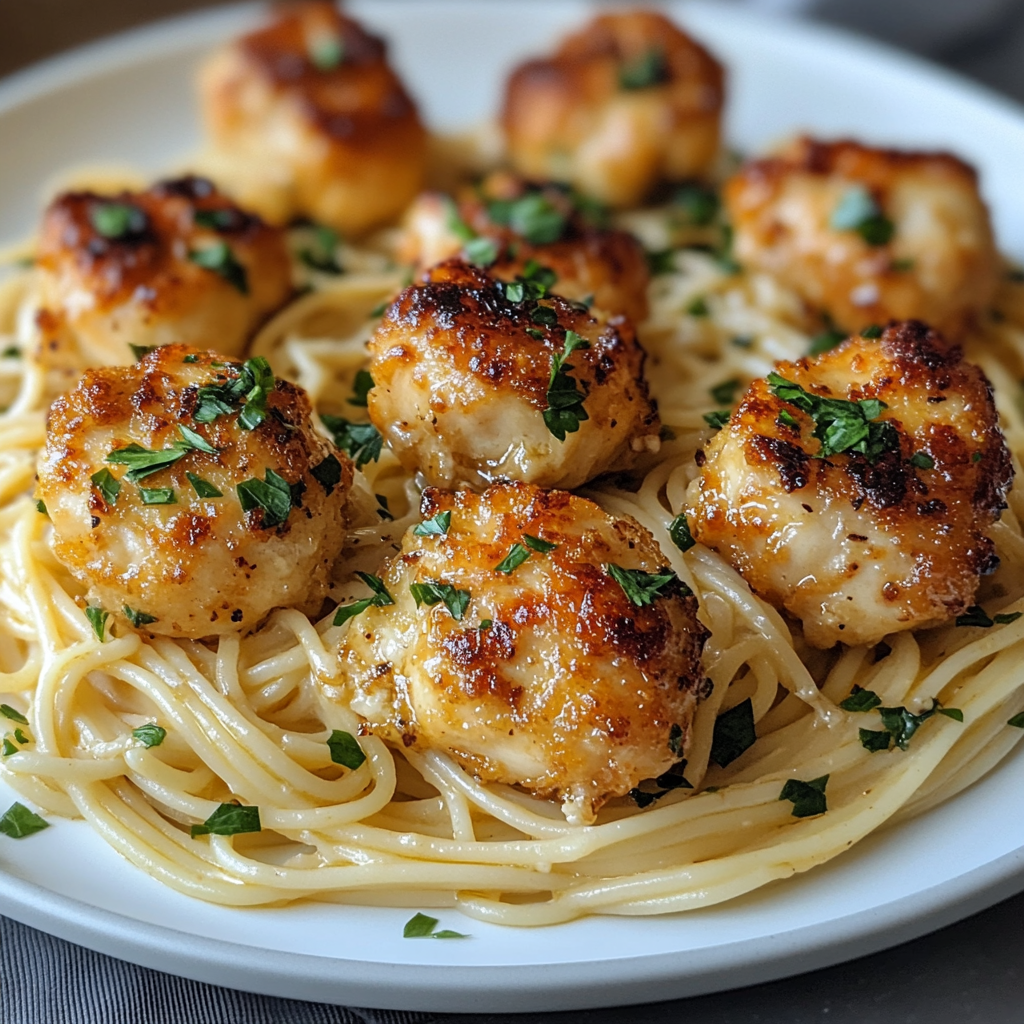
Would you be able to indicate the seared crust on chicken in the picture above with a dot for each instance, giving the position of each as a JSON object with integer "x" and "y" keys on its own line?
{"x": 550, "y": 678}
{"x": 868, "y": 235}
{"x": 626, "y": 102}
{"x": 463, "y": 382}
{"x": 214, "y": 540}
{"x": 315, "y": 120}
{"x": 178, "y": 263}
{"x": 547, "y": 224}
{"x": 860, "y": 545}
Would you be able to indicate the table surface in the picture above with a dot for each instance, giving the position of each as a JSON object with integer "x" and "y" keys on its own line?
{"x": 969, "y": 973}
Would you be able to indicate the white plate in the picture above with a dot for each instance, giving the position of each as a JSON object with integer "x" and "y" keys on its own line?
{"x": 131, "y": 99}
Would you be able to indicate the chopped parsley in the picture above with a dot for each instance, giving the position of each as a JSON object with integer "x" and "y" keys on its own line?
{"x": 320, "y": 254}
{"x": 661, "y": 261}
{"x": 272, "y": 495}
{"x": 107, "y": 484}
{"x": 717, "y": 419}
{"x": 361, "y": 386}
{"x": 481, "y": 252}
{"x": 143, "y": 462}
{"x": 645, "y": 71}
{"x": 326, "y": 51}
{"x": 380, "y": 599}
{"x": 841, "y": 426}
{"x": 345, "y": 749}
{"x": 733, "y": 734}
{"x": 825, "y": 342}
{"x": 808, "y": 798}
{"x": 8, "y": 748}
{"x": 158, "y": 496}
{"x": 137, "y": 618}
{"x": 679, "y": 531}
{"x": 327, "y": 474}
{"x": 861, "y": 700}
{"x": 858, "y": 211}
{"x": 874, "y": 740}
{"x": 515, "y": 558}
{"x": 643, "y": 588}
{"x": 41, "y": 507}
{"x": 220, "y": 259}
{"x": 250, "y": 388}
{"x": 871, "y": 332}
{"x": 362, "y": 442}
{"x": 203, "y": 488}
{"x": 725, "y": 393}
{"x": 229, "y": 820}
{"x": 98, "y": 620}
{"x": 18, "y": 821}
{"x": 485, "y": 624}
{"x": 698, "y": 307}
{"x": 116, "y": 220}
{"x": 150, "y": 734}
{"x": 922, "y": 460}
{"x": 422, "y": 927}
{"x": 1017, "y": 721}
{"x": 13, "y": 714}
{"x": 532, "y": 216}
{"x": 539, "y": 545}
{"x": 698, "y": 205}
{"x": 215, "y": 220}
{"x": 435, "y": 592}
{"x": 437, "y": 526}
{"x": 977, "y": 616}
{"x": 899, "y": 726}
{"x": 565, "y": 411}
{"x": 787, "y": 419}
{"x": 675, "y": 739}
{"x": 383, "y": 509}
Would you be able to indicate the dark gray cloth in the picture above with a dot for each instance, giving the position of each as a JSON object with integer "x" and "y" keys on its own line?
{"x": 969, "y": 973}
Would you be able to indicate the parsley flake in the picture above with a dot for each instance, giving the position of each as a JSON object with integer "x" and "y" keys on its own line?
{"x": 565, "y": 409}
{"x": 137, "y": 618}
{"x": 107, "y": 484}
{"x": 841, "y": 426}
{"x": 327, "y": 474}
{"x": 645, "y": 71}
{"x": 977, "y": 616}
{"x": 825, "y": 342}
{"x": 859, "y": 211}
{"x": 874, "y": 740}
{"x": 98, "y": 620}
{"x": 698, "y": 205}
{"x": 542, "y": 547}
{"x": 41, "y": 507}
{"x": 203, "y": 488}
{"x": 532, "y": 216}
{"x": 158, "y": 496}
{"x": 321, "y": 253}
{"x": 345, "y": 749}
{"x": 643, "y": 588}
{"x": 1017, "y": 721}
{"x": 229, "y": 820}
{"x": 326, "y": 52}
{"x": 272, "y": 495}
{"x": 117, "y": 220}
{"x": 808, "y": 798}
{"x": 861, "y": 700}
{"x": 380, "y": 599}
{"x": 515, "y": 558}
{"x": 922, "y": 460}
{"x": 18, "y": 822}
{"x": 150, "y": 734}
{"x": 362, "y": 442}
{"x": 435, "y": 591}
{"x": 422, "y": 927}
{"x": 361, "y": 386}
{"x": 481, "y": 252}
{"x": 733, "y": 734}
{"x": 725, "y": 393}
{"x": 717, "y": 419}
{"x": 438, "y": 526}
{"x": 220, "y": 259}
{"x": 679, "y": 531}
{"x": 13, "y": 714}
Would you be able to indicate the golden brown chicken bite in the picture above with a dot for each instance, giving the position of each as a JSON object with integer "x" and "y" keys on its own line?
{"x": 314, "y": 121}
{"x": 855, "y": 489}
{"x": 176, "y": 264}
{"x": 191, "y": 494}
{"x": 537, "y": 640}
{"x": 868, "y": 235}
{"x": 504, "y": 224}
{"x": 478, "y": 380}
{"x": 624, "y": 103}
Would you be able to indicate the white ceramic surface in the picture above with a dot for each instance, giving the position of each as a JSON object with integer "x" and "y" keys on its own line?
{"x": 130, "y": 100}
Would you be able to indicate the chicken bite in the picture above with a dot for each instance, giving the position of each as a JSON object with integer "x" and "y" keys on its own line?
{"x": 478, "y": 380}
{"x": 855, "y": 489}
{"x": 191, "y": 495}
{"x": 308, "y": 118}
{"x": 868, "y": 235}
{"x": 537, "y": 640}
{"x": 626, "y": 102}
{"x": 505, "y": 224}
{"x": 176, "y": 264}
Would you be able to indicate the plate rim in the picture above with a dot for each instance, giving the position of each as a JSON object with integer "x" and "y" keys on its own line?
{"x": 581, "y": 984}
